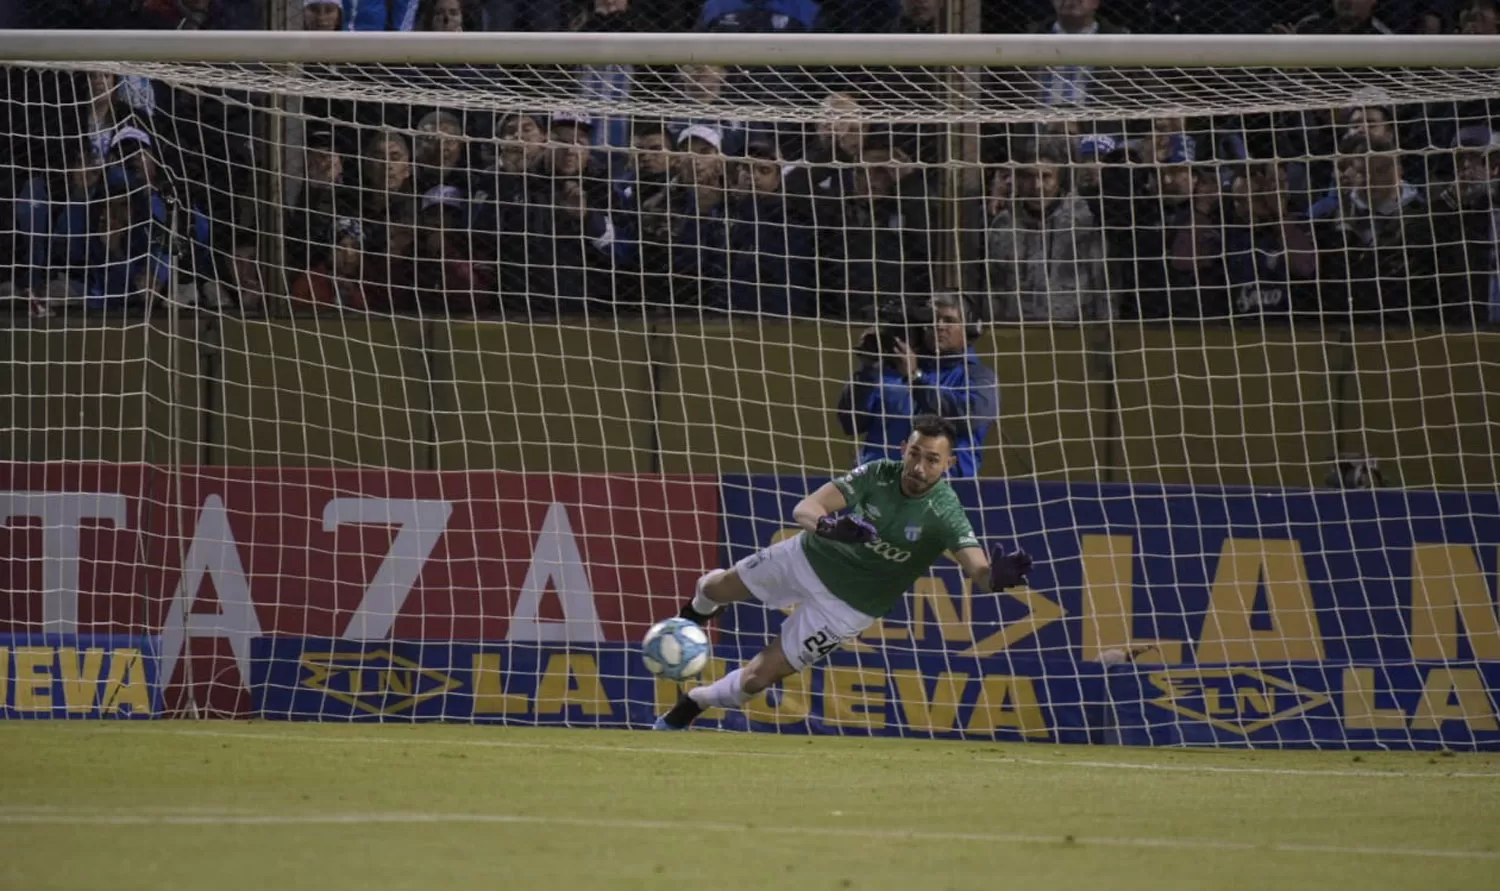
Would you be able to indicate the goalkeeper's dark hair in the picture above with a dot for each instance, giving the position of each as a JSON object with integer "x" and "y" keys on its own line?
{"x": 932, "y": 425}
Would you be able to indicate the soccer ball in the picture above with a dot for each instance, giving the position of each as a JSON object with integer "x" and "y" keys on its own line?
{"x": 676, "y": 649}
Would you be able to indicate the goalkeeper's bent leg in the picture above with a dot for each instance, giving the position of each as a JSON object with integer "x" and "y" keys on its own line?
{"x": 703, "y": 607}
{"x": 732, "y": 690}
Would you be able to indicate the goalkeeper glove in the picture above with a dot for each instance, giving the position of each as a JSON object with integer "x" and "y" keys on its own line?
{"x": 848, "y": 529}
{"x": 1008, "y": 570}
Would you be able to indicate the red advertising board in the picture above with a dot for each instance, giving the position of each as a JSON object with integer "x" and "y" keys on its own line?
{"x": 209, "y": 557}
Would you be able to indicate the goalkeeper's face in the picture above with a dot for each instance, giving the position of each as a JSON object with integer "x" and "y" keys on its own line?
{"x": 926, "y": 459}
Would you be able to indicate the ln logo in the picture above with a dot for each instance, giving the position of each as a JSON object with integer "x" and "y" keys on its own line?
{"x": 1240, "y": 700}
{"x": 377, "y": 682}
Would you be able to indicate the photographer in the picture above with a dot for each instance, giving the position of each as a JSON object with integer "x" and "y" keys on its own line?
{"x": 920, "y": 361}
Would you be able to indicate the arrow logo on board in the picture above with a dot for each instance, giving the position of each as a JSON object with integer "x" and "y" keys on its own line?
{"x": 1044, "y": 611}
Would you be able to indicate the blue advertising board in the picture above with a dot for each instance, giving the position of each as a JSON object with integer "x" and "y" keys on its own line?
{"x": 1407, "y": 705}
{"x": 1262, "y": 617}
{"x": 1211, "y": 575}
{"x": 854, "y": 693}
{"x": 45, "y": 676}
{"x": 1256, "y": 618}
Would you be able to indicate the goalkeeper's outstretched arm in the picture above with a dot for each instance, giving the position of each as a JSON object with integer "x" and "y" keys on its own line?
{"x": 976, "y": 565}
{"x": 826, "y": 500}
{"x": 994, "y": 572}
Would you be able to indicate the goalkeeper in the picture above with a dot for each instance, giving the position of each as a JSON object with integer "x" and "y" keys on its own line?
{"x": 844, "y": 572}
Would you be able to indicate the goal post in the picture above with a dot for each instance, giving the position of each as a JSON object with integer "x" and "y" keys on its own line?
{"x": 840, "y": 50}
{"x": 412, "y": 376}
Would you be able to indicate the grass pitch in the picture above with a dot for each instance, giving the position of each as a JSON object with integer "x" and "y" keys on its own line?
{"x": 225, "y": 806}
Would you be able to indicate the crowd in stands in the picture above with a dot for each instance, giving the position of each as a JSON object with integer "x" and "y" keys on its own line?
{"x": 122, "y": 190}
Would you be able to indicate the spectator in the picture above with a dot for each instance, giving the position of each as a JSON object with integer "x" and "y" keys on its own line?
{"x": 132, "y": 154}
{"x": 1465, "y": 210}
{"x": 1046, "y": 250}
{"x": 114, "y": 101}
{"x": 576, "y": 237}
{"x": 760, "y": 83}
{"x": 758, "y": 16}
{"x": 448, "y": 277}
{"x": 610, "y": 83}
{"x": 322, "y": 15}
{"x": 390, "y": 266}
{"x": 1430, "y": 22}
{"x": 182, "y": 15}
{"x": 1219, "y": 242}
{"x": 1270, "y": 255}
{"x": 1087, "y": 152}
{"x": 1165, "y": 140}
{"x": 322, "y": 198}
{"x": 442, "y": 152}
{"x": 644, "y": 198}
{"x": 1341, "y": 17}
{"x": 1076, "y": 17}
{"x": 838, "y": 139}
{"x": 861, "y": 16}
{"x": 322, "y": 167}
{"x": 506, "y": 202}
{"x": 920, "y": 17}
{"x": 916, "y": 370}
{"x": 1479, "y": 17}
{"x": 1137, "y": 200}
{"x": 699, "y": 229}
{"x": 1073, "y": 84}
{"x": 336, "y": 115}
{"x": 1437, "y": 127}
{"x": 1188, "y": 17}
{"x": 610, "y": 16}
{"x": 1378, "y": 253}
{"x": 125, "y": 263}
{"x": 882, "y": 246}
{"x": 444, "y": 15}
{"x": 387, "y": 190}
{"x": 651, "y": 158}
{"x": 1194, "y": 241}
{"x": 705, "y": 87}
{"x": 521, "y": 15}
{"x": 522, "y": 149}
{"x": 816, "y": 186}
{"x": 51, "y": 219}
{"x": 334, "y": 275}
{"x": 380, "y": 15}
{"x": 1318, "y": 134}
{"x": 771, "y": 266}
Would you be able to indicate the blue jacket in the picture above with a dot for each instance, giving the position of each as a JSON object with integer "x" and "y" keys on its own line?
{"x": 771, "y": 266}
{"x": 758, "y": 16}
{"x": 380, "y": 15}
{"x": 880, "y": 405}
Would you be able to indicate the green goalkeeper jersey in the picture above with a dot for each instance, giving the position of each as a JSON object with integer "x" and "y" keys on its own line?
{"x": 914, "y": 532}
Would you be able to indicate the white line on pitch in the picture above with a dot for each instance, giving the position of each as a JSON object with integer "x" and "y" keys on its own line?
{"x": 165, "y": 810}
{"x": 1218, "y": 768}
{"x": 482, "y": 743}
{"x": 893, "y": 834}
{"x": 811, "y": 751}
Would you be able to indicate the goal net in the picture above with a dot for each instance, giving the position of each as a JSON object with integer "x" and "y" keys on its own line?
{"x": 381, "y": 381}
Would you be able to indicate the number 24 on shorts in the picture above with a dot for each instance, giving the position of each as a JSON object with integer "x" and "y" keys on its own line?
{"x": 821, "y": 644}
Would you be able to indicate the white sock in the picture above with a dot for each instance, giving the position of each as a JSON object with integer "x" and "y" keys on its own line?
{"x": 726, "y": 692}
{"x": 702, "y": 602}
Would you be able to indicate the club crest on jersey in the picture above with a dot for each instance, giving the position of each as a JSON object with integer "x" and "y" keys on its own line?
{"x": 913, "y": 532}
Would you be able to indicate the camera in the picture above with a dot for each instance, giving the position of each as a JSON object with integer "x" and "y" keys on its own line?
{"x": 898, "y": 320}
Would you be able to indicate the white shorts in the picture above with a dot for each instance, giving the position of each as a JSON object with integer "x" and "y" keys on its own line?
{"x": 780, "y": 577}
